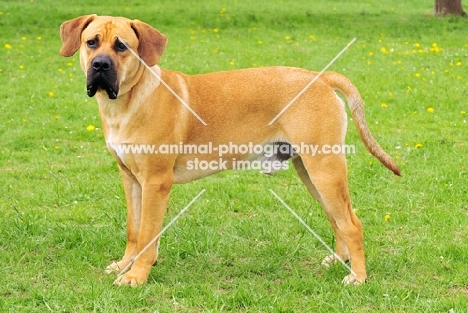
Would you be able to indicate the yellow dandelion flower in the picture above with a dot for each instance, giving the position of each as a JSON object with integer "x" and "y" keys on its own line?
{"x": 260, "y": 42}
{"x": 90, "y": 127}
{"x": 57, "y": 117}
{"x": 434, "y": 48}
{"x": 56, "y": 147}
{"x": 8, "y": 46}
{"x": 216, "y": 30}
{"x": 390, "y": 94}
{"x": 387, "y": 217}
{"x": 21, "y": 67}
{"x": 23, "y": 38}
{"x": 69, "y": 64}
{"x": 51, "y": 94}
{"x": 25, "y": 120}
{"x": 39, "y": 38}
{"x": 463, "y": 112}
{"x": 417, "y": 75}
{"x": 459, "y": 63}
{"x": 430, "y": 110}
{"x": 287, "y": 37}
{"x": 384, "y": 50}
{"x": 312, "y": 37}
{"x": 418, "y": 145}
{"x": 417, "y": 45}
{"x": 383, "y": 105}
{"x": 371, "y": 54}
{"x": 231, "y": 63}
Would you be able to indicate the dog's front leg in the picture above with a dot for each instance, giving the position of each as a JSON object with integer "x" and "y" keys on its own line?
{"x": 155, "y": 192}
{"x": 133, "y": 195}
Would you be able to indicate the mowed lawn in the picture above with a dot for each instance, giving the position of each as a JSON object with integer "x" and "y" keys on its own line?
{"x": 237, "y": 249}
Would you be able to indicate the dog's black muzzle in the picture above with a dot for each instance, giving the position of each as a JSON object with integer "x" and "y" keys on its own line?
{"x": 102, "y": 75}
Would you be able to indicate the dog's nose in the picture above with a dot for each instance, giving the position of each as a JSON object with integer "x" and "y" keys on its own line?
{"x": 101, "y": 64}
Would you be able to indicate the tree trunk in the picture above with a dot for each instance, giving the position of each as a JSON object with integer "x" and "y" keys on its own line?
{"x": 444, "y": 7}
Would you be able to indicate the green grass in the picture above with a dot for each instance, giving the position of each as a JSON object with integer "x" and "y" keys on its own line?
{"x": 238, "y": 249}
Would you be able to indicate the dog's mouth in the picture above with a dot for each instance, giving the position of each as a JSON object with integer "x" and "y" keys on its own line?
{"x": 102, "y": 76}
{"x": 100, "y": 81}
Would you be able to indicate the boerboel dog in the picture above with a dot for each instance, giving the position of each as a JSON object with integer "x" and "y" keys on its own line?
{"x": 143, "y": 104}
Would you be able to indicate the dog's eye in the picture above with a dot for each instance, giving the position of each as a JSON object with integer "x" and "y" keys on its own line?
{"x": 120, "y": 46}
{"x": 92, "y": 43}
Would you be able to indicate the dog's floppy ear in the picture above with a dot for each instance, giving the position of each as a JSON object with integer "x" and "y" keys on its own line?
{"x": 70, "y": 33}
{"x": 151, "y": 42}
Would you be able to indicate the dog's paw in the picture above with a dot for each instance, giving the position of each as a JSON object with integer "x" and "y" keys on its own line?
{"x": 352, "y": 279}
{"x": 132, "y": 278}
{"x": 116, "y": 267}
{"x": 330, "y": 260}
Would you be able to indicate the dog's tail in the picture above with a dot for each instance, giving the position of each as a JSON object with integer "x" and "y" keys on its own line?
{"x": 355, "y": 103}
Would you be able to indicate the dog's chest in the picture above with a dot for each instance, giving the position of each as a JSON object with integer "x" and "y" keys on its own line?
{"x": 114, "y": 144}
{"x": 115, "y": 122}
{"x": 116, "y": 138}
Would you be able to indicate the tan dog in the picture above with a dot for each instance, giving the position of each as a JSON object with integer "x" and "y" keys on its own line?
{"x": 237, "y": 106}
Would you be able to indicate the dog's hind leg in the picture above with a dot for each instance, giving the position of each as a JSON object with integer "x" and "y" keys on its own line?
{"x": 341, "y": 248}
{"x": 325, "y": 177}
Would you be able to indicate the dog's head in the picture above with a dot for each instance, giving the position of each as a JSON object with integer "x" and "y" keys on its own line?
{"x": 104, "y": 43}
